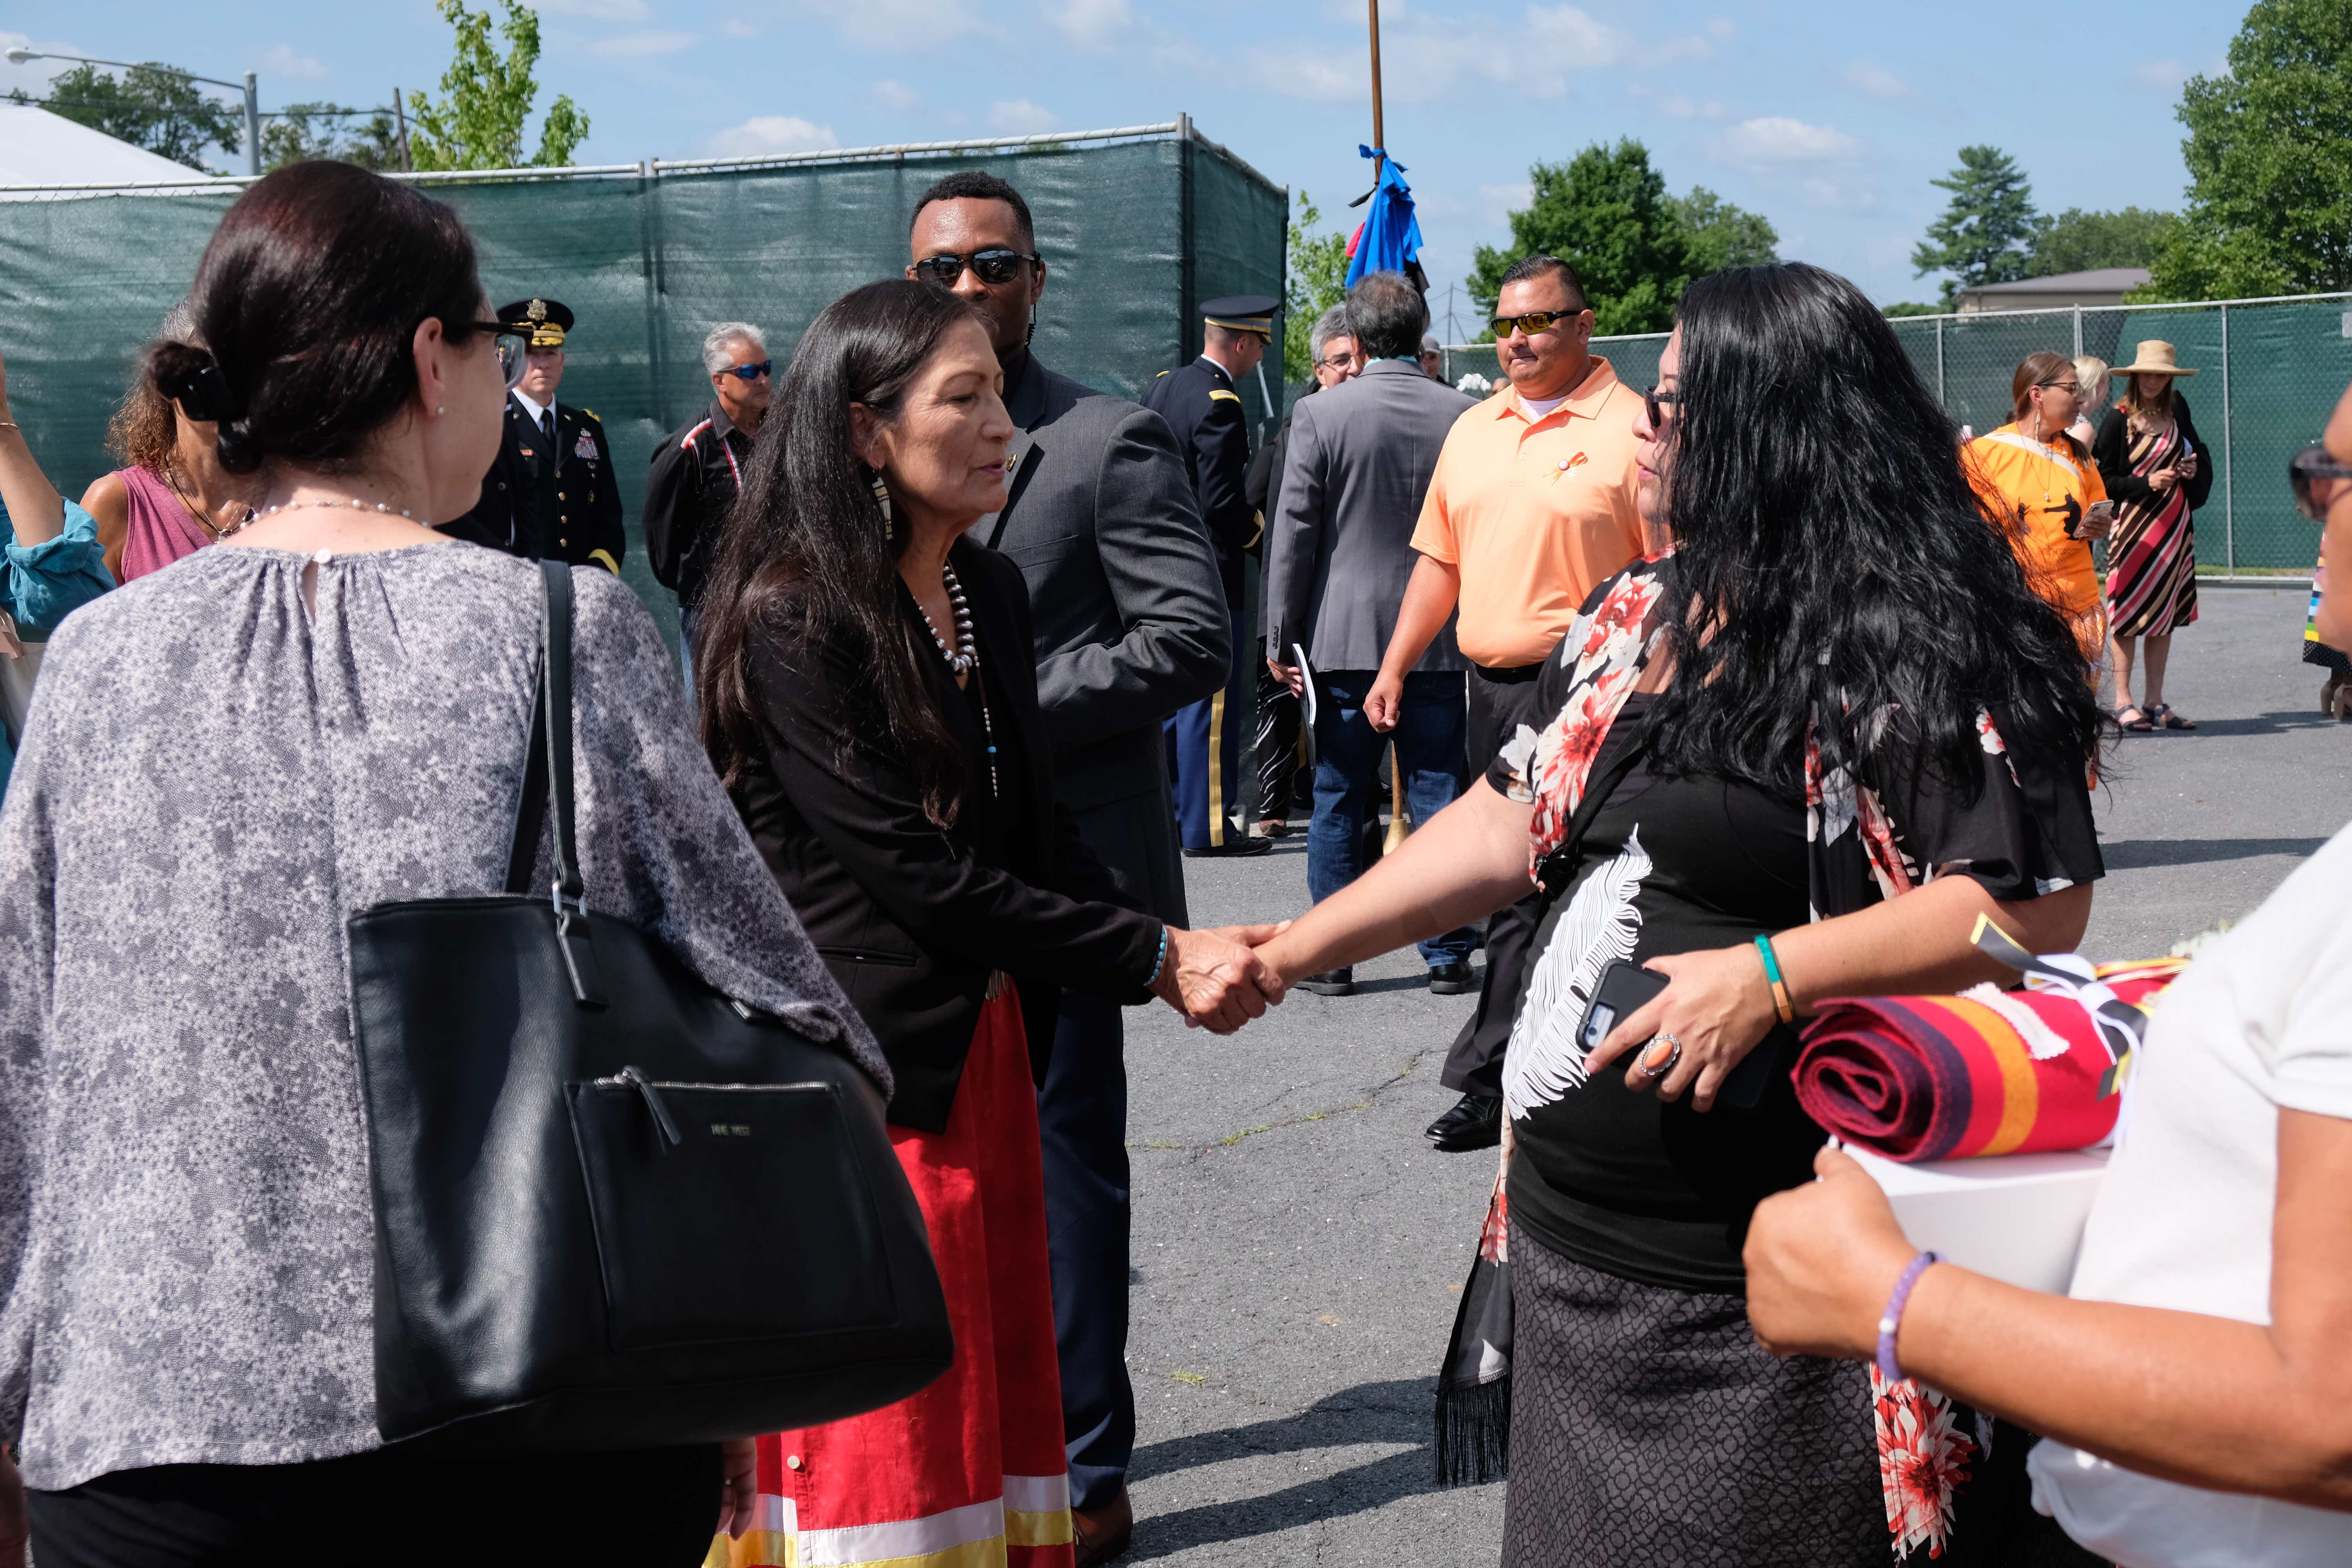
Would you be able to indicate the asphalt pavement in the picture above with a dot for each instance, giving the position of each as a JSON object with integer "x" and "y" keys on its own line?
{"x": 1299, "y": 1250}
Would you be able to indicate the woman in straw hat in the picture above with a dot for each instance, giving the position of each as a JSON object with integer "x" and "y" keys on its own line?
{"x": 2154, "y": 465}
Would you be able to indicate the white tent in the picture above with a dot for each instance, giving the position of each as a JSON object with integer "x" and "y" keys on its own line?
{"x": 37, "y": 148}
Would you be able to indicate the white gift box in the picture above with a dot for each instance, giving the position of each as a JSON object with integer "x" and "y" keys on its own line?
{"x": 2013, "y": 1218}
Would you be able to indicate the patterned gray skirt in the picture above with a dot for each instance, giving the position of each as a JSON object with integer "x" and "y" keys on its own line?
{"x": 1649, "y": 1430}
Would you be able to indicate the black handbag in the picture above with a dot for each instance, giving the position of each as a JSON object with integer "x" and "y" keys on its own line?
{"x": 614, "y": 1209}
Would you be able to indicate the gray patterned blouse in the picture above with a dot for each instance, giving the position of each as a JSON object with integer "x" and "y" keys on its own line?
{"x": 211, "y": 780}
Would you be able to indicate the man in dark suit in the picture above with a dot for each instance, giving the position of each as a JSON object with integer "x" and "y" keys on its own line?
{"x": 1201, "y": 406}
{"x": 552, "y": 493}
{"x": 1129, "y": 626}
{"x": 1339, "y": 554}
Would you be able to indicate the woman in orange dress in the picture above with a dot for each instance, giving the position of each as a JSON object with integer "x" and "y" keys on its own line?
{"x": 2039, "y": 484}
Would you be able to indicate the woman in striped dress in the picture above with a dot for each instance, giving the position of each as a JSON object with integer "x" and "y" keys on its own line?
{"x": 2154, "y": 466}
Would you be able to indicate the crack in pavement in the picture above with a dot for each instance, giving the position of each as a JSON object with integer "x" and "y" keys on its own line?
{"x": 1232, "y": 1139}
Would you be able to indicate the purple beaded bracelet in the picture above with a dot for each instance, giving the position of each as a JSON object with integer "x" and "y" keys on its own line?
{"x": 1892, "y": 1317}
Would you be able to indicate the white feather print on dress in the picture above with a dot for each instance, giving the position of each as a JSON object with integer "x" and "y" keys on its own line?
{"x": 1599, "y": 927}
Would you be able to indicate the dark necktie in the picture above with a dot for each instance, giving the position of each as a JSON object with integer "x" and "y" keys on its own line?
{"x": 547, "y": 428}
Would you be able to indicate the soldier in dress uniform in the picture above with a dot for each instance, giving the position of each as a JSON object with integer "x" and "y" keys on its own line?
{"x": 552, "y": 493}
{"x": 1202, "y": 406}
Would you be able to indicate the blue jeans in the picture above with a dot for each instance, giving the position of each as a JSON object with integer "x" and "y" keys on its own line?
{"x": 1432, "y": 743}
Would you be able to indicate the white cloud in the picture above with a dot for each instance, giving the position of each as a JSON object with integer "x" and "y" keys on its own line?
{"x": 769, "y": 135}
{"x": 897, "y": 95}
{"x": 1777, "y": 138}
{"x": 735, "y": 27}
{"x": 1837, "y": 196}
{"x": 597, "y": 10}
{"x": 1877, "y": 81}
{"x": 1426, "y": 59}
{"x": 1682, "y": 108}
{"x": 901, "y": 25}
{"x": 1019, "y": 117}
{"x": 2159, "y": 76}
{"x": 631, "y": 46}
{"x": 1091, "y": 24}
{"x": 1500, "y": 200}
{"x": 1720, "y": 30}
{"x": 283, "y": 61}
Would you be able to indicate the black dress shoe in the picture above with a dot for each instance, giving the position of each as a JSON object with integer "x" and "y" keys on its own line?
{"x": 1475, "y": 1122}
{"x": 1234, "y": 843}
{"x": 1330, "y": 983}
{"x": 1451, "y": 979}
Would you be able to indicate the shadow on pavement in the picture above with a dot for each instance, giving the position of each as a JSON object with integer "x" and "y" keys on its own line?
{"x": 2260, "y": 724}
{"x": 1393, "y": 1412}
{"x": 2135, "y": 854}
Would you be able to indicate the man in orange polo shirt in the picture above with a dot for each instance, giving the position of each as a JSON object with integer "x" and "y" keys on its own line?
{"x": 1530, "y": 506}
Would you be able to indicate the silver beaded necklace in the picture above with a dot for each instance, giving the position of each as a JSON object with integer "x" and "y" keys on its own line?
{"x": 963, "y": 658}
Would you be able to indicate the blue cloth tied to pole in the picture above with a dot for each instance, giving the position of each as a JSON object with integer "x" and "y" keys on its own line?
{"x": 1391, "y": 236}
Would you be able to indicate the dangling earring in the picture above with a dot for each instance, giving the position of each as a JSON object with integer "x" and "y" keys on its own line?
{"x": 882, "y": 498}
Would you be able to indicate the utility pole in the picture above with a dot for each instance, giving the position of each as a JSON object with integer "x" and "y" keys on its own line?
{"x": 252, "y": 125}
{"x": 400, "y": 118}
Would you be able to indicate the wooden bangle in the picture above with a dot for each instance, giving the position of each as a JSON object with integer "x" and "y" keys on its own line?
{"x": 1772, "y": 978}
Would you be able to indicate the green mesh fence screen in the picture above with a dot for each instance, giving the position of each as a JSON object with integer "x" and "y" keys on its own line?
{"x": 1135, "y": 233}
{"x": 2271, "y": 370}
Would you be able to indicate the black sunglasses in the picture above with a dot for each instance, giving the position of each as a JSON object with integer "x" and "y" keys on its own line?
{"x": 2313, "y": 463}
{"x": 1531, "y": 323}
{"x": 1656, "y": 404}
{"x": 513, "y": 348}
{"x": 992, "y": 267}
{"x": 750, "y": 372}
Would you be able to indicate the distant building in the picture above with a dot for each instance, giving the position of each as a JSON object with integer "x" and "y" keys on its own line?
{"x": 2100, "y": 286}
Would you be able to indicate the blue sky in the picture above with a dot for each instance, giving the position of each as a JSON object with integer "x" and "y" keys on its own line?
{"x": 1829, "y": 118}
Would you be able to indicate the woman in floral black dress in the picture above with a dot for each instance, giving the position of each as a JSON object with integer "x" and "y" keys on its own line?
{"x": 1834, "y": 686}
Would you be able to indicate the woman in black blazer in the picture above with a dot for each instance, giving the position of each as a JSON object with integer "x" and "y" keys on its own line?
{"x": 2155, "y": 469}
{"x": 868, "y": 695}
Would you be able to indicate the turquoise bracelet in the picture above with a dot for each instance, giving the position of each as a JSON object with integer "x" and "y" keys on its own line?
{"x": 1160, "y": 964}
{"x": 1772, "y": 978}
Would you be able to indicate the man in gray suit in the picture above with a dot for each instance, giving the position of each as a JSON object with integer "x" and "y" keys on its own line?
{"x": 1131, "y": 625}
{"x": 1339, "y": 553}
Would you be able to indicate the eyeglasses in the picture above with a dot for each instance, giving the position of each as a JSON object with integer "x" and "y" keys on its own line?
{"x": 749, "y": 371}
{"x": 2311, "y": 464}
{"x": 1655, "y": 402}
{"x": 1337, "y": 361}
{"x": 1531, "y": 323}
{"x": 513, "y": 348}
{"x": 990, "y": 267}
{"x": 2073, "y": 386}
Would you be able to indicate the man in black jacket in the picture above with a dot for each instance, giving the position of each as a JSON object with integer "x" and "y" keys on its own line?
{"x": 552, "y": 493}
{"x": 1129, "y": 626}
{"x": 698, "y": 467}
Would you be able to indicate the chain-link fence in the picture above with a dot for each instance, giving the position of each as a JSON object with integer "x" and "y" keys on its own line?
{"x": 1136, "y": 225}
{"x": 2269, "y": 372}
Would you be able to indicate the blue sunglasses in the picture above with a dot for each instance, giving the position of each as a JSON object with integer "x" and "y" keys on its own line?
{"x": 750, "y": 372}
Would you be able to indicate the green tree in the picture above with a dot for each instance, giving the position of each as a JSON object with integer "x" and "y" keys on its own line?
{"x": 1319, "y": 280}
{"x": 1910, "y": 308}
{"x": 1724, "y": 236}
{"x": 2269, "y": 191}
{"x": 1988, "y": 232}
{"x": 1605, "y": 212}
{"x": 305, "y": 131}
{"x": 478, "y": 121}
{"x": 2077, "y": 241}
{"x": 151, "y": 106}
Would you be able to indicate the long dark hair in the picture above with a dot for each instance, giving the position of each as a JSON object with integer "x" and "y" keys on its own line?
{"x": 1843, "y": 567}
{"x": 807, "y": 571}
{"x": 303, "y": 311}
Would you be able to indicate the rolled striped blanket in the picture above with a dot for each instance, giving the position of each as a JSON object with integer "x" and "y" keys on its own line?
{"x": 1986, "y": 1072}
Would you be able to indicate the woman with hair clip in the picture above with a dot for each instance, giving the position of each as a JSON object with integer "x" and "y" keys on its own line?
{"x": 328, "y": 710}
{"x": 867, "y": 693}
{"x": 1792, "y": 755}
{"x": 2038, "y": 483}
{"x": 172, "y": 496}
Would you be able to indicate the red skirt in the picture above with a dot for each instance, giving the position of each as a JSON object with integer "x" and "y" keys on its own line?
{"x": 972, "y": 1471}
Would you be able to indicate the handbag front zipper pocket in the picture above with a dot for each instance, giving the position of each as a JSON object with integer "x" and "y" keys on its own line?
{"x": 676, "y": 1171}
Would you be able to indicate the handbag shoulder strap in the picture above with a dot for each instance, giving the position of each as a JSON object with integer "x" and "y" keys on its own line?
{"x": 1597, "y": 792}
{"x": 546, "y": 776}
